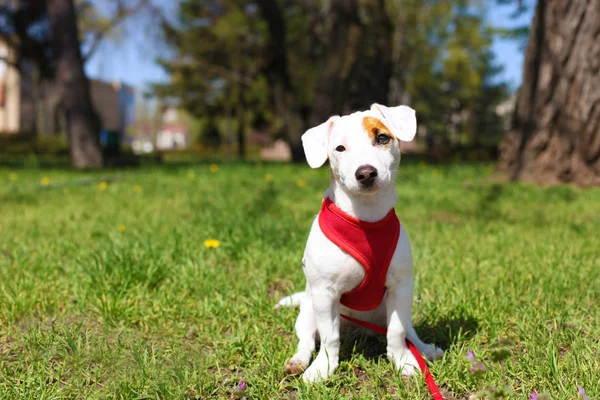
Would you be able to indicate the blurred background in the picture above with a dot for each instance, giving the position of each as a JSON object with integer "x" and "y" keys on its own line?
{"x": 107, "y": 83}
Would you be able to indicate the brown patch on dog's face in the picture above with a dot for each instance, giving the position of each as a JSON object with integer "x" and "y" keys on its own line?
{"x": 375, "y": 127}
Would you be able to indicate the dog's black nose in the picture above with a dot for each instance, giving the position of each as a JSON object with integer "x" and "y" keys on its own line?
{"x": 366, "y": 175}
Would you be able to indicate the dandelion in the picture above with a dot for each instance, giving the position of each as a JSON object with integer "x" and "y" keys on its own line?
{"x": 301, "y": 183}
{"x": 268, "y": 177}
{"x": 102, "y": 185}
{"x": 476, "y": 366}
{"x": 582, "y": 393}
{"x": 211, "y": 243}
{"x": 45, "y": 181}
{"x": 137, "y": 189}
{"x": 12, "y": 176}
{"x": 214, "y": 168}
{"x": 122, "y": 228}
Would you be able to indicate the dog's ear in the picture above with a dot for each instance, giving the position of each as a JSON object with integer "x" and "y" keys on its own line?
{"x": 401, "y": 120}
{"x": 315, "y": 141}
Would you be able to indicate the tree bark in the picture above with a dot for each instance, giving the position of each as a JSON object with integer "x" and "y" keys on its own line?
{"x": 277, "y": 73}
{"x": 357, "y": 69}
{"x": 555, "y": 133}
{"x": 241, "y": 127}
{"x": 83, "y": 124}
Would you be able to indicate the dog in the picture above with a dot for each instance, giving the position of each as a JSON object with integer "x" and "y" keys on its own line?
{"x": 363, "y": 150}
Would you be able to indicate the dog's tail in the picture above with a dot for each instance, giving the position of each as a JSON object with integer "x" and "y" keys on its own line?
{"x": 290, "y": 301}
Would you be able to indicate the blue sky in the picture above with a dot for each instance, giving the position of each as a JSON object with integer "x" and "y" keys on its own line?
{"x": 133, "y": 61}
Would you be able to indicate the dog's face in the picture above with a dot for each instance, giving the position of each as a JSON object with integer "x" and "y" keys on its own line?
{"x": 363, "y": 148}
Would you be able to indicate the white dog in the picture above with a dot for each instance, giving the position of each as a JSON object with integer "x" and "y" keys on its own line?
{"x": 364, "y": 153}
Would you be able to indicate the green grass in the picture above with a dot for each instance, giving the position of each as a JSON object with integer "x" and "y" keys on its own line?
{"x": 88, "y": 311}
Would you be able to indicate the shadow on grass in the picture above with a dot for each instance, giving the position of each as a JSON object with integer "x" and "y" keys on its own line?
{"x": 442, "y": 332}
{"x": 447, "y": 330}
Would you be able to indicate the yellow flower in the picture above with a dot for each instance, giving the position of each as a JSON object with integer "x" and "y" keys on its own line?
{"x": 268, "y": 177}
{"x": 137, "y": 189}
{"x": 122, "y": 228}
{"x": 12, "y": 176}
{"x": 102, "y": 185}
{"x": 45, "y": 181}
{"x": 436, "y": 171}
{"x": 301, "y": 183}
{"x": 211, "y": 243}
{"x": 214, "y": 168}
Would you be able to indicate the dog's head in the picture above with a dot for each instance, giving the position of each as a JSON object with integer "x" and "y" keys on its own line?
{"x": 363, "y": 148}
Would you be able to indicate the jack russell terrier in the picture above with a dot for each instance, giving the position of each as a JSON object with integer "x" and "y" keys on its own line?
{"x": 357, "y": 261}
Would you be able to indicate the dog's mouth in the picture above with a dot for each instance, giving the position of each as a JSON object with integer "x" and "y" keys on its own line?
{"x": 367, "y": 188}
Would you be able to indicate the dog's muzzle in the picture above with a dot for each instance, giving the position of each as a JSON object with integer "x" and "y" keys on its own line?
{"x": 366, "y": 175}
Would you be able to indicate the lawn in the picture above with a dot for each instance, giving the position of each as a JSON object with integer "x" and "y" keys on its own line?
{"x": 107, "y": 289}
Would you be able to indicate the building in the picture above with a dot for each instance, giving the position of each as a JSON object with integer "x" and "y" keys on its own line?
{"x": 172, "y": 136}
{"x": 15, "y": 105}
{"x": 174, "y": 132}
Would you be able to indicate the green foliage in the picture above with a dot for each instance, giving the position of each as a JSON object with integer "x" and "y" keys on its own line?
{"x": 216, "y": 67}
{"x": 450, "y": 74}
{"x": 108, "y": 292}
{"x": 443, "y": 62}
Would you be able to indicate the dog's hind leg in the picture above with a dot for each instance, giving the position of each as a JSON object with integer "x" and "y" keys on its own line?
{"x": 306, "y": 331}
{"x": 430, "y": 351}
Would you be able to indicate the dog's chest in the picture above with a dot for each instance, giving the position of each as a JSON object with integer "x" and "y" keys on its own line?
{"x": 326, "y": 264}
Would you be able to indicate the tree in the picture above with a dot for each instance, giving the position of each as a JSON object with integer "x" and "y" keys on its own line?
{"x": 356, "y": 67}
{"x": 83, "y": 124}
{"x": 444, "y": 68}
{"x": 318, "y": 58}
{"x": 215, "y": 73}
{"x": 26, "y": 26}
{"x": 555, "y": 133}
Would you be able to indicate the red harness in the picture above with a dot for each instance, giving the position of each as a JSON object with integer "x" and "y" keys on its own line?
{"x": 372, "y": 244}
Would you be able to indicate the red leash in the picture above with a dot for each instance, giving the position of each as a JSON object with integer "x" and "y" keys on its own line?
{"x": 435, "y": 391}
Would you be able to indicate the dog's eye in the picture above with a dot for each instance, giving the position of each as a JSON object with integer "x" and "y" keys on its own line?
{"x": 382, "y": 139}
{"x": 340, "y": 148}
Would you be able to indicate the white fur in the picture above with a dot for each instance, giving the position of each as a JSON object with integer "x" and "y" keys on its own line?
{"x": 330, "y": 271}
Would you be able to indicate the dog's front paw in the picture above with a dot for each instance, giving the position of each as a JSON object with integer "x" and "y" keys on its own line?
{"x": 319, "y": 370}
{"x": 294, "y": 366}
{"x": 405, "y": 362}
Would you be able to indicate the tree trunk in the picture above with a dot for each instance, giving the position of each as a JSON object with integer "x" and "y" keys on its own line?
{"x": 83, "y": 124}
{"x": 358, "y": 65}
{"x": 241, "y": 139}
{"x": 277, "y": 73}
{"x": 555, "y": 133}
